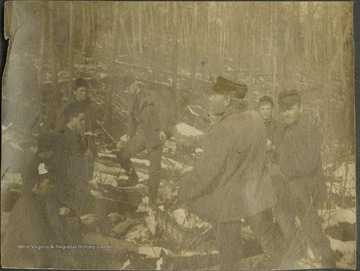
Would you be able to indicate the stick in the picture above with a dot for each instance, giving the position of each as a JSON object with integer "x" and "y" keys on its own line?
{"x": 106, "y": 132}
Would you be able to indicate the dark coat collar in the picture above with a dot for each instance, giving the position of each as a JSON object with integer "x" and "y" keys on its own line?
{"x": 237, "y": 106}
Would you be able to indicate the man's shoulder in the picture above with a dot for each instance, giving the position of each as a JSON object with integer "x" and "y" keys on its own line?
{"x": 251, "y": 117}
{"x": 244, "y": 122}
{"x": 307, "y": 127}
{"x": 26, "y": 203}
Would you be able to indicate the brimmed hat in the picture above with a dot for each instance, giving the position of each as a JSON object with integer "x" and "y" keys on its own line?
{"x": 266, "y": 99}
{"x": 289, "y": 98}
{"x": 36, "y": 173}
{"x": 226, "y": 87}
{"x": 80, "y": 82}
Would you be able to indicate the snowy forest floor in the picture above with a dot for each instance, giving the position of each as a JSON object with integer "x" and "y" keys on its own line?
{"x": 144, "y": 239}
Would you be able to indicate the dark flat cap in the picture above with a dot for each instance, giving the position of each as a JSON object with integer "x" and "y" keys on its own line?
{"x": 36, "y": 172}
{"x": 228, "y": 87}
{"x": 289, "y": 98}
{"x": 266, "y": 99}
{"x": 80, "y": 82}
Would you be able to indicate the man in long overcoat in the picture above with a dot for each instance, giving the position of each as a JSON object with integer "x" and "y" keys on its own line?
{"x": 147, "y": 131}
{"x": 229, "y": 181}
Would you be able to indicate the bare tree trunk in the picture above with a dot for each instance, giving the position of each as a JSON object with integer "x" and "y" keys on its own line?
{"x": 111, "y": 78}
{"x": 140, "y": 28}
{"x": 53, "y": 66}
{"x": 41, "y": 52}
{"x": 133, "y": 31}
{"x": 124, "y": 32}
{"x": 71, "y": 48}
{"x": 40, "y": 89}
{"x": 275, "y": 53}
{"x": 194, "y": 58}
{"x": 175, "y": 55}
{"x": 84, "y": 27}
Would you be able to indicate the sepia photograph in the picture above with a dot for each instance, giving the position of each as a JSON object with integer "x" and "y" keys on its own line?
{"x": 205, "y": 135}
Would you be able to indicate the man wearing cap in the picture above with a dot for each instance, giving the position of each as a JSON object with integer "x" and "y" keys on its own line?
{"x": 29, "y": 224}
{"x": 147, "y": 131}
{"x": 228, "y": 182}
{"x": 46, "y": 153}
{"x": 298, "y": 150}
{"x": 82, "y": 101}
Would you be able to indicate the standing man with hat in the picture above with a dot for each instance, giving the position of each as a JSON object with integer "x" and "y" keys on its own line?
{"x": 228, "y": 182}
{"x": 147, "y": 131}
{"x": 298, "y": 150}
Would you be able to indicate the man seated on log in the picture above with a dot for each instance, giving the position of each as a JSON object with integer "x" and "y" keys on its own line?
{"x": 30, "y": 239}
{"x": 299, "y": 160}
{"x": 228, "y": 182}
{"x": 46, "y": 153}
{"x": 147, "y": 131}
{"x": 73, "y": 188}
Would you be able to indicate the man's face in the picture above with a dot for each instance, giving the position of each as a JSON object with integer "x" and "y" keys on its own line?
{"x": 290, "y": 115}
{"x": 265, "y": 110}
{"x": 44, "y": 187}
{"x": 80, "y": 94}
{"x": 218, "y": 104}
{"x": 78, "y": 123}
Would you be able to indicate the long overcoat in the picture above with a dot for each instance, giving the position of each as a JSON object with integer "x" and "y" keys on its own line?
{"x": 28, "y": 226}
{"x": 229, "y": 181}
{"x": 144, "y": 113}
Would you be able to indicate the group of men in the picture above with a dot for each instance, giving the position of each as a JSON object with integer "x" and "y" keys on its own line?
{"x": 57, "y": 178}
{"x": 233, "y": 181}
{"x": 264, "y": 173}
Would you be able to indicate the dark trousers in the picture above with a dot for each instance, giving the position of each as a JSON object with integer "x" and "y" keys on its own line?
{"x": 294, "y": 199}
{"x": 137, "y": 144}
{"x": 265, "y": 231}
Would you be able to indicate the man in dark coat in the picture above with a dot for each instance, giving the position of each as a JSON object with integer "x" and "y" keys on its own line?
{"x": 47, "y": 153}
{"x": 229, "y": 182}
{"x": 72, "y": 187}
{"x": 147, "y": 131}
{"x": 29, "y": 225}
{"x": 82, "y": 101}
{"x": 298, "y": 151}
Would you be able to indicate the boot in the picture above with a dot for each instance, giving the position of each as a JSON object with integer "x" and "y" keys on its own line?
{"x": 126, "y": 164}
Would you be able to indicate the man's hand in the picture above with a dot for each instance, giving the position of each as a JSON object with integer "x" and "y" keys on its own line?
{"x": 63, "y": 211}
{"x": 162, "y": 136}
{"x": 123, "y": 140}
